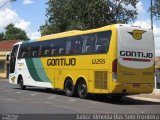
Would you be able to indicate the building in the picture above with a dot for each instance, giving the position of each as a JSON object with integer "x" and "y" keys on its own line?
{"x": 5, "y": 48}
{"x": 157, "y": 72}
{"x": 157, "y": 61}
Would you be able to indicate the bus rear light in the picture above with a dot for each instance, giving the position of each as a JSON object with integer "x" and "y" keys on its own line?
{"x": 114, "y": 70}
{"x": 114, "y": 65}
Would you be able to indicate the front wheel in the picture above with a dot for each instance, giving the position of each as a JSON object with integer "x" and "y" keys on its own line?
{"x": 82, "y": 90}
{"x": 21, "y": 85}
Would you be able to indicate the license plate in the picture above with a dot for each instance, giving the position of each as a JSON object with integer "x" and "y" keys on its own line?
{"x": 136, "y": 85}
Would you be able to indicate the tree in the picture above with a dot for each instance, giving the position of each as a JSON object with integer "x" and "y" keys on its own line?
{"x": 14, "y": 33}
{"x": 156, "y": 9}
{"x": 2, "y": 36}
{"x": 65, "y": 15}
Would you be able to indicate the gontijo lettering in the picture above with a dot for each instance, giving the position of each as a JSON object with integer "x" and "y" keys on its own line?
{"x": 136, "y": 54}
{"x": 61, "y": 62}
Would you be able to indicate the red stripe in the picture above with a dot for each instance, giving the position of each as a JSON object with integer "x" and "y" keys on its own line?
{"x": 137, "y": 59}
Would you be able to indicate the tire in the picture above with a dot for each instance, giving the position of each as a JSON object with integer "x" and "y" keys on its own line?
{"x": 69, "y": 88}
{"x": 21, "y": 85}
{"x": 82, "y": 90}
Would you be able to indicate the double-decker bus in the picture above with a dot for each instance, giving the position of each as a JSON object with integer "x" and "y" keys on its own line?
{"x": 116, "y": 60}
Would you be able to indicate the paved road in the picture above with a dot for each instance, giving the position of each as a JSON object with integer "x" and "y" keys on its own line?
{"x": 39, "y": 101}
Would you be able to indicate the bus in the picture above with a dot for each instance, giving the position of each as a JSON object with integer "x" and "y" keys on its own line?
{"x": 114, "y": 60}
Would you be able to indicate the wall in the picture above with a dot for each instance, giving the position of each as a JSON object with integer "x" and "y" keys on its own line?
{"x": 3, "y": 58}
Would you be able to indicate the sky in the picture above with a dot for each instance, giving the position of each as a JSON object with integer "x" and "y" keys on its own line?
{"x": 30, "y": 14}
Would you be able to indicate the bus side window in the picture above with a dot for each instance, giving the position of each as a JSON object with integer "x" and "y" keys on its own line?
{"x": 61, "y": 51}
{"x": 45, "y": 48}
{"x": 34, "y": 50}
{"x": 74, "y": 46}
{"x": 98, "y": 48}
{"x": 101, "y": 45}
{"x": 23, "y": 51}
{"x": 89, "y": 43}
{"x": 60, "y": 45}
{"x": 24, "y": 55}
{"x": 54, "y": 48}
{"x": 47, "y": 52}
{"x": 68, "y": 47}
{"x": 35, "y": 54}
{"x": 53, "y": 51}
{"x": 88, "y": 49}
{"x": 80, "y": 46}
{"x": 103, "y": 41}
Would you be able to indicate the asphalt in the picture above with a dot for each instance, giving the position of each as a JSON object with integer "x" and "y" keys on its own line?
{"x": 155, "y": 96}
{"x": 39, "y": 102}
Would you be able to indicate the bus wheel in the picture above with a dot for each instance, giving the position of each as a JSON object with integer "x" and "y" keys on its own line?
{"x": 82, "y": 89}
{"x": 69, "y": 88}
{"x": 21, "y": 85}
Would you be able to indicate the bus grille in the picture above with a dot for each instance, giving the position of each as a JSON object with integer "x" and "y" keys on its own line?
{"x": 100, "y": 79}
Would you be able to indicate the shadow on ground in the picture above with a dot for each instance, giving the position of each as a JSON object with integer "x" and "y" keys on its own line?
{"x": 98, "y": 98}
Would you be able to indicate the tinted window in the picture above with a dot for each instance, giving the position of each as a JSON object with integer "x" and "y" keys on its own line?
{"x": 23, "y": 51}
{"x": 29, "y": 50}
{"x": 45, "y": 48}
{"x": 76, "y": 45}
{"x": 90, "y": 43}
{"x": 81, "y": 44}
{"x": 102, "y": 42}
{"x": 34, "y": 49}
{"x": 15, "y": 50}
{"x": 58, "y": 47}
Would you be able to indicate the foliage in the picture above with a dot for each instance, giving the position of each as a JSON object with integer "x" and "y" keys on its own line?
{"x": 2, "y": 37}
{"x": 65, "y": 15}
{"x": 13, "y": 33}
{"x": 156, "y": 9}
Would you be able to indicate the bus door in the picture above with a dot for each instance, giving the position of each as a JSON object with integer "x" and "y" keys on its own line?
{"x": 13, "y": 58}
{"x": 7, "y": 62}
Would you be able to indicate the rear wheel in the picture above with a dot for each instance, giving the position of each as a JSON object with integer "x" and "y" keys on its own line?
{"x": 21, "y": 85}
{"x": 69, "y": 88}
{"x": 82, "y": 90}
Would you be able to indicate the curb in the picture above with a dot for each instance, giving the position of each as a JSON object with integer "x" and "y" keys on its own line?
{"x": 156, "y": 91}
{"x": 145, "y": 99}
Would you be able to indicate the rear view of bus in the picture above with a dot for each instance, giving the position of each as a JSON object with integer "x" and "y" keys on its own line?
{"x": 133, "y": 69}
